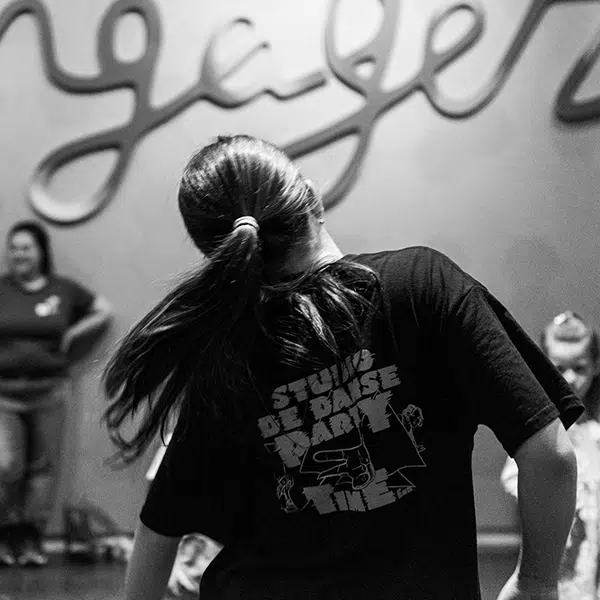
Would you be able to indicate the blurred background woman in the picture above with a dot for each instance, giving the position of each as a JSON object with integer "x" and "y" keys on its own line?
{"x": 41, "y": 314}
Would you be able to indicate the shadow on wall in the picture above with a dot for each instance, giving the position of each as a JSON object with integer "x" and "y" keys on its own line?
{"x": 440, "y": 159}
{"x": 532, "y": 266}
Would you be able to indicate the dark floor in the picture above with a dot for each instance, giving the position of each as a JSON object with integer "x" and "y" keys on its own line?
{"x": 62, "y": 580}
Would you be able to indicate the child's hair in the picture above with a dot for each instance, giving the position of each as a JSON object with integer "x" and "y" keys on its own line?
{"x": 570, "y": 327}
{"x": 205, "y": 343}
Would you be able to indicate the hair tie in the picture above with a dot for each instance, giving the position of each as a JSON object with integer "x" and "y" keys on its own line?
{"x": 246, "y": 221}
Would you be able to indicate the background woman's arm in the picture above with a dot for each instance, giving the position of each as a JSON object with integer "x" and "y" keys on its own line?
{"x": 98, "y": 317}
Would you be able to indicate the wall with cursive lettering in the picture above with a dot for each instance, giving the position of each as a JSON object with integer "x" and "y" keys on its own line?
{"x": 473, "y": 127}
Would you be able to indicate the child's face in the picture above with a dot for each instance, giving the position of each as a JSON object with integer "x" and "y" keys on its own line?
{"x": 574, "y": 362}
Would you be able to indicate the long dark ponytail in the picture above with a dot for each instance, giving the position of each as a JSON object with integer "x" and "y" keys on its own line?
{"x": 198, "y": 347}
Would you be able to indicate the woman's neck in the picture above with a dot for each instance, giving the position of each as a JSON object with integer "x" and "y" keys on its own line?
{"x": 32, "y": 282}
{"x": 326, "y": 250}
{"x": 322, "y": 252}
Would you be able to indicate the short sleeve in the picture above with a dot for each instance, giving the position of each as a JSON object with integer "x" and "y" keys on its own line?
{"x": 172, "y": 502}
{"x": 202, "y": 484}
{"x": 508, "y": 381}
{"x": 81, "y": 300}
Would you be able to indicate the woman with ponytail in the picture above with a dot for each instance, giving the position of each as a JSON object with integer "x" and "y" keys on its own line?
{"x": 312, "y": 439}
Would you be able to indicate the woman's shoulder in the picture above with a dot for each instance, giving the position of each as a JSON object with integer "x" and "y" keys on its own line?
{"x": 419, "y": 275}
{"x": 69, "y": 289}
{"x": 62, "y": 281}
{"x": 414, "y": 260}
{"x": 7, "y": 284}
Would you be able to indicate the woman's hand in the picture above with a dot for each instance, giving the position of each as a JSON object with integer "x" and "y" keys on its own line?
{"x": 91, "y": 324}
{"x": 194, "y": 554}
{"x": 182, "y": 577}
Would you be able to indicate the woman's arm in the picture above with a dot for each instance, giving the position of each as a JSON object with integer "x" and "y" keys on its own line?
{"x": 98, "y": 317}
{"x": 150, "y": 564}
{"x": 547, "y": 494}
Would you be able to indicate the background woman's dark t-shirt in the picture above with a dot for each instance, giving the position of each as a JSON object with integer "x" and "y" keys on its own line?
{"x": 32, "y": 325}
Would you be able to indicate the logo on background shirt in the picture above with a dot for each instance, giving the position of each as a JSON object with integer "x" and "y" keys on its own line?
{"x": 50, "y": 306}
{"x": 342, "y": 444}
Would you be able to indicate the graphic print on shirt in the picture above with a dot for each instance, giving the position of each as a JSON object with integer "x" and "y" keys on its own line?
{"x": 343, "y": 445}
{"x": 50, "y": 306}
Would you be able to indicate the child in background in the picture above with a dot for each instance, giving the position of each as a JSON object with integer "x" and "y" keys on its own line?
{"x": 573, "y": 348}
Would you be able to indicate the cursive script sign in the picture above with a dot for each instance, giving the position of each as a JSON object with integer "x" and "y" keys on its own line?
{"x": 138, "y": 76}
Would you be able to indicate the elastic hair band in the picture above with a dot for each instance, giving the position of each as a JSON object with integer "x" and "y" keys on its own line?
{"x": 246, "y": 221}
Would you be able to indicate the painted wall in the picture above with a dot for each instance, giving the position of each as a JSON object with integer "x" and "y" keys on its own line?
{"x": 510, "y": 193}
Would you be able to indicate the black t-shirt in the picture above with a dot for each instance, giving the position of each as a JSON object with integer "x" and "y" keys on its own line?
{"x": 362, "y": 489}
{"x": 32, "y": 325}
